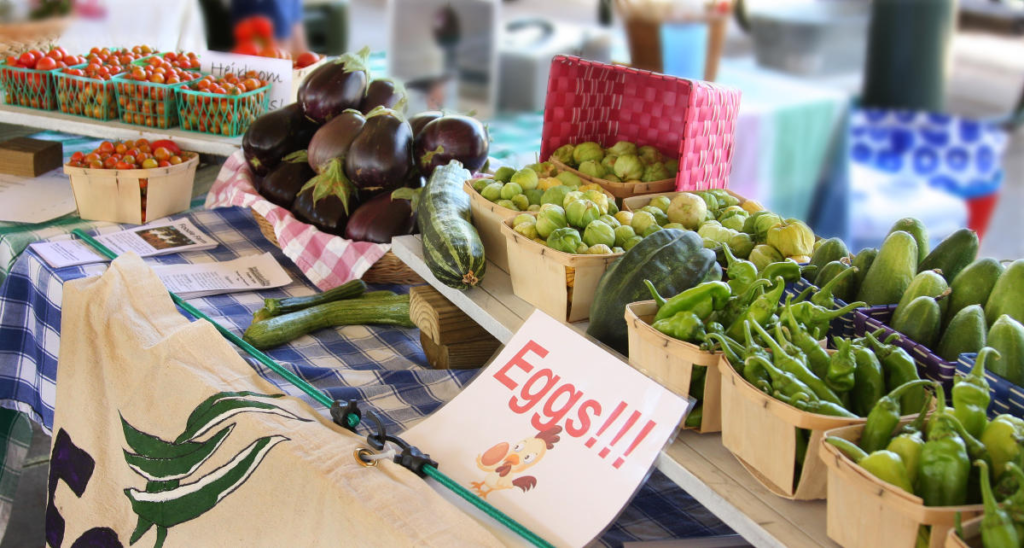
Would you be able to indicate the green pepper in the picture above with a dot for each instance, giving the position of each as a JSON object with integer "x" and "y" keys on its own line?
{"x": 824, "y": 296}
{"x": 884, "y": 465}
{"x": 1003, "y": 437}
{"x": 741, "y": 272}
{"x": 803, "y": 295}
{"x": 685, "y": 326}
{"x": 714, "y": 327}
{"x": 738, "y": 303}
{"x": 695, "y": 417}
{"x": 1014, "y": 503}
{"x": 975, "y": 451}
{"x": 839, "y": 375}
{"x": 899, "y": 368}
{"x": 733, "y": 350}
{"x": 816, "y": 318}
{"x": 760, "y": 311}
{"x": 909, "y": 441}
{"x": 885, "y": 417}
{"x": 752, "y": 348}
{"x": 997, "y": 529}
{"x": 702, "y": 300}
{"x": 788, "y": 270}
{"x": 971, "y": 395}
{"x": 819, "y": 407}
{"x": 798, "y": 368}
{"x": 783, "y": 381}
{"x": 698, "y": 375}
{"x": 868, "y": 383}
{"x": 944, "y": 468}
{"x": 817, "y": 357}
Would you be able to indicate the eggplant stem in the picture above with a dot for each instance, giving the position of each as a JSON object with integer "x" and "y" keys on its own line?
{"x": 429, "y": 155}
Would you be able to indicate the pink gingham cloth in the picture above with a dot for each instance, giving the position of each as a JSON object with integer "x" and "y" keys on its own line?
{"x": 327, "y": 260}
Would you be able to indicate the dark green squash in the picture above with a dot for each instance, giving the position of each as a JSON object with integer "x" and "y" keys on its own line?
{"x": 673, "y": 260}
{"x": 451, "y": 246}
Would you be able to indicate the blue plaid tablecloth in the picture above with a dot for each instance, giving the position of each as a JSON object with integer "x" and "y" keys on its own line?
{"x": 382, "y": 367}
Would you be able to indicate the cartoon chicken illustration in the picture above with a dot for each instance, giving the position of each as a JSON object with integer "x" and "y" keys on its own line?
{"x": 503, "y": 462}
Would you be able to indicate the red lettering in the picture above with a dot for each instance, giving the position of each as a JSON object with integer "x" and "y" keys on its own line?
{"x": 519, "y": 361}
{"x": 529, "y": 399}
{"x": 555, "y": 416}
{"x": 584, "y": 419}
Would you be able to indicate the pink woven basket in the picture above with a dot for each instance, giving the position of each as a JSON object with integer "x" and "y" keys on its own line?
{"x": 689, "y": 119}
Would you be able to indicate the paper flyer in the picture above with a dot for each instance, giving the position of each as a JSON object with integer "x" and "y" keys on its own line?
{"x": 252, "y": 273}
{"x": 36, "y": 199}
{"x": 160, "y": 238}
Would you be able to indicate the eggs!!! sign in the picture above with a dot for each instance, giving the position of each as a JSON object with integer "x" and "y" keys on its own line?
{"x": 556, "y": 432}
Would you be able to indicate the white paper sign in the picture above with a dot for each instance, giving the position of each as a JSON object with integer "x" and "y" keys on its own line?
{"x": 162, "y": 237}
{"x": 35, "y": 200}
{"x": 276, "y": 71}
{"x": 252, "y": 273}
{"x": 556, "y": 432}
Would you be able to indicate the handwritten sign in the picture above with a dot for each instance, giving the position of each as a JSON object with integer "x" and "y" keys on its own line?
{"x": 556, "y": 432}
{"x": 278, "y": 72}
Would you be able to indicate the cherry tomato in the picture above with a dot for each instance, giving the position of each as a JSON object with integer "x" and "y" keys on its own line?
{"x": 163, "y": 163}
{"x": 161, "y": 153}
{"x": 168, "y": 144}
{"x": 306, "y": 59}
{"x": 124, "y": 165}
{"x": 246, "y": 48}
{"x": 149, "y": 163}
{"x": 110, "y": 162}
{"x": 106, "y": 146}
{"x": 128, "y": 159}
{"x": 175, "y": 160}
{"x": 96, "y": 164}
{"x": 46, "y": 63}
{"x": 27, "y": 59}
{"x": 77, "y": 156}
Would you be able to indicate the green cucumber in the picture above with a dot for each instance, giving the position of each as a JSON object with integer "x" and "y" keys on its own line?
{"x": 951, "y": 256}
{"x": 347, "y": 290}
{"x": 916, "y": 229}
{"x": 863, "y": 261}
{"x": 965, "y": 333}
{"x": 1007, "y": 337}
{"x": 920, "y": 322}
{"x": 844, "y": 289}
{"x": 830, "y": 250}
{"x": 287, "y": 327}
{"x": 927, "y": 283}
{"x": 891, "y": 272}
{"x": 973, "y": 285}
{"x": 452, "y": 248}
{"x": 1007, "y": 295}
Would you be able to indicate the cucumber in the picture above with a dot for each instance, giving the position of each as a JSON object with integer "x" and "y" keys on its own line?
{"x": 863, "y": 262}
{"x": 921, "y": 321}
{"x": 844, "y": 289}
{"x": 451, "y": 246}
{"x": 287, "y": 327}
{"x": 973, "y": 285}
{"x": 1007, "y": 336}
{"x": 927, "y": 283}
{"x": 953, "y": 254}
{"x": 1007, "y": 295}
{"x": 891, "y": 272}
{"x": 916, "y": 229}
{"x": 965, "y": 333}
{"x": 830, "y": 250}
{"x": 347, "y": 290}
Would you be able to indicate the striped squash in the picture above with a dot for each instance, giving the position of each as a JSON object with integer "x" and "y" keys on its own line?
{"x": 451, "y": 246}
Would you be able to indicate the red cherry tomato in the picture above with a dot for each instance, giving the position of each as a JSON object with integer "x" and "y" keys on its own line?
{"x": 306, "y": 59}
{"x": 46, "y": 63}
{"x": 247, "y": 48}
{"x": 168, "y": 144}
{"x": 27, "y": 59}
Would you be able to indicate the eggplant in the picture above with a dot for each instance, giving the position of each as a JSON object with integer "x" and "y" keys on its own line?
{"x": 448, "y": 138}
{"x": 326, "y": 212}
{"x": 335, "y": 86}
{"x": 275, "y": 135}
{"x": 381, "y": 219}
{"x": 332, "y": 140}
{"x": 384, "y": 92}
{"x": 380, "y": 157}
{"x": 282, "y": 184}
{"x": 419, "y": 121}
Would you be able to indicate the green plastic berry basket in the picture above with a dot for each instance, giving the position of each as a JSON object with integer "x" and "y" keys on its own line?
{"x": 29, "y": 87}
{"x": 218, "y": 114}
{"x": 146, "y": 103}
{"x": 85, "y": 97}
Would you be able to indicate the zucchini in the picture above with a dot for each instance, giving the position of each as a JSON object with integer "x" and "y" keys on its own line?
{"x": 451, "y": 246}
{"x": 347, "y": 290}
{"x": 375, "y": 311}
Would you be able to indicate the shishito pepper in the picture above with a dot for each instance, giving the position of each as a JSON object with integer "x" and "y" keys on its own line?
{"x": 975, "y": 451}
{"x": 997, "y": 529}
{"x": 804, "y": 403}
{"x": 1014, "y": 503}
{"x": 695, "y": 417}
{"x": 899, "y": 368}
{"x": 733, "y": 350}
{"x": 884, "y": 465}
{"x": 1003, "y": 437}
{"x": 971, "y": 395}
{"x": 817, "y": 357}
{"x": 685, "y": 326}
{"x": 702, "y": 300}
{"x": 944, "y": 468}
{"x": 868, "y": 382}
{"x": 816, "y": 318}
{"x": 798, "y": 368}
{"x": 885, "y": 417}
{"x": 839, "y": 375}
{"x": 783, "y": 381}
{"x": 909, "y": 441}
{"x": 824, "y": 295}
{"x": 741, "y": 272}
{"x": 739, "y": 303}
{"x": 760, "y": 311}
{"x": 788, "y": 270}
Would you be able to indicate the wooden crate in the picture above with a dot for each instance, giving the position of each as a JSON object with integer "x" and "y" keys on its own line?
{"x": 115, "y": 194}
{"x": 670, "y": 362}
{"x": 464, "y": 355}
{"x": 440, "y": 320}
{"x": 866, "y": 512}
{"x": 542, "y": 276}
{"x": 971, "y": 538}
{"x": 622, "y": 190}
{"x": 487, "y": 218}
{"x": 26, "y": 157}
{"x": 760, "y": 431}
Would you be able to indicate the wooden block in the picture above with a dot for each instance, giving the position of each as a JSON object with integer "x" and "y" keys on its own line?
{"x": 463, "y": 355}
{"x": 26, "y": 157}
{"x": 440, "y": 320}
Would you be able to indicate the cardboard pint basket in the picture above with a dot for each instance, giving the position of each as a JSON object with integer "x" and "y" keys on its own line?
{"x": 971, "y": 537}
{"x": 560, "y": 284}
{"x": 134, "y": 196}
{"x": 671, "y": 362}
{"x": 865, "y": 512}
{"x": 760, "y": 431}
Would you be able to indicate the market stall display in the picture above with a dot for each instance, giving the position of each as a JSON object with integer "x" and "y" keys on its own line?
{"x": 222, "y": 106}
{"x": 27, "y": 79}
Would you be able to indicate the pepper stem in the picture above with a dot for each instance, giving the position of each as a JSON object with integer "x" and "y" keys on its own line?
{"x": 899, "y": 390}
{"x": 654, "y": 294}
{"x": 918, "y": 423}
{"x": 991, "y": 508}
{"x": 850, "y": 449}
{"x": 729, "y": 257}
{"x": 848, "y": 308}
{"x": 978, "y": 371}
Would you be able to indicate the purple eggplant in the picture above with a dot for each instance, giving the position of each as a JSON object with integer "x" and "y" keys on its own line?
{"x": 332, "y": 140}
{"x": 380, "y": 157}
{"x": 419, "y": 121}
{"x": 320, "y": 204}
{"x": 384, "y": 92}
{"x": 381, "y": 219}
{"x": 282, "y": 184}
{"x": 335, "y": 86}
{"x": 448, "y": 138}
{"x": 275, "y": 135}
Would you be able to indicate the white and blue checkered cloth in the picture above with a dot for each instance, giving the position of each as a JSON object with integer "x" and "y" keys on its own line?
{"x": 384, "y": 368}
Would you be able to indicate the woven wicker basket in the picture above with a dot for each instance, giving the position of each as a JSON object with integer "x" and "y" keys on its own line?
{"x": 389, "y": 269}
{"x": 18, "y": 37}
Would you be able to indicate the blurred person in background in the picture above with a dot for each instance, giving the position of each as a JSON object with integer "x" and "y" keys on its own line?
{"x": 284, "y": 15}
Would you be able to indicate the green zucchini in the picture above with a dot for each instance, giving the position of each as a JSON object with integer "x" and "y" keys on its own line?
{"x": 451, "y": 246}
{"x": 347, "y": 290}
{"x": 375, "y": 311}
